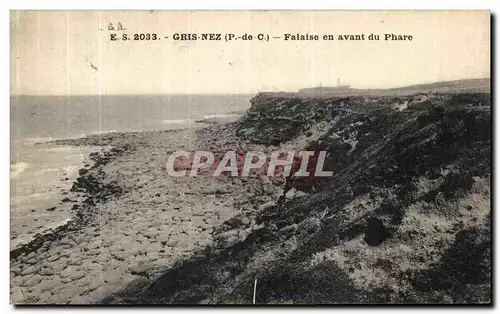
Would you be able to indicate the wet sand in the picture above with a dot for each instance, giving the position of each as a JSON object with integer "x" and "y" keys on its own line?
{"x": 40, "y": 178}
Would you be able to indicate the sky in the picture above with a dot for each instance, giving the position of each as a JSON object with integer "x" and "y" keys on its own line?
{"x": 70, "y": 52}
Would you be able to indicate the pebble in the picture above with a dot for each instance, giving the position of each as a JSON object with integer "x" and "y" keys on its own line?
{"x": 49, "y": 284}
{"x": 130, "y": 252}
{"x": 140, "y": 269}
{"x": 154, "y": 247}
{"x": 30, "y": 270}
{"x": 68, "y": 271}
{"x": 93, "y": 252}
{"x": 119, "y": 255}
{"x": 15, "y": 270}
{"x": 76, "y": 275}
{"x": 32, "y": 261}
{"x": 111, "y": 277}
{"x": 19, "y": 280}
{"x": 150, "y": 233}
{"x": 245, "y": 220}
{"x": 75, "y": 256}
{"x": 53, "y": 258}
{"x": 91, "y": 267}
{"x": 46, "y": 271}
{"x": 18, "y": 294}
{"x": 153, "y": 256}
{"x": 59, "y": 265}
{"x": 94, "y": 245}
{"x": 33, "y": 280}
{"x": 46, "y": 297}
{"x": 64, "y": 293}
{"x": 116, "y": 248}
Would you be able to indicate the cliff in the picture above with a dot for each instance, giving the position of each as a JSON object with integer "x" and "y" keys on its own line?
{"x": 406, "y": 217}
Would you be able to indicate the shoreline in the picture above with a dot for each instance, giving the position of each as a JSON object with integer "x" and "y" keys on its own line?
{"x": 40, "y": 184}
{"x": 409, "y": 201}
{"x": 116, "y": 179}
{"x": 22, "y": 233}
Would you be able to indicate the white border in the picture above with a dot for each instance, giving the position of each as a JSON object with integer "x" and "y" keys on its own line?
{"x": 257, "y": 5}
{"x": 206, "y": 5}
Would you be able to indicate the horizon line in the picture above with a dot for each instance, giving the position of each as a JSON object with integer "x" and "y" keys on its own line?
{"x": 251, "y": 93}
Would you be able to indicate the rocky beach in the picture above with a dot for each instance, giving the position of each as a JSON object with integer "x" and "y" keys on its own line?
{"x": 405, "y": 218}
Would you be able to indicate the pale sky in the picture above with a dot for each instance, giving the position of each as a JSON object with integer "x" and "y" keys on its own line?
{"x": 52, "y": 52}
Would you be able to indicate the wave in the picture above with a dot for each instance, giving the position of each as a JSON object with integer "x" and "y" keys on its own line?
{"x": 222, "y": 115}
{"x": 177, "y": 121}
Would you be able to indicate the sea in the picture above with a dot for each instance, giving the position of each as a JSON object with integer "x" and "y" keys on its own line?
{"x": 40, "y": 174}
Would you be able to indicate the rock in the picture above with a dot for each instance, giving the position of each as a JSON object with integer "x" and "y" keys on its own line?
{"x": 52, "y": 258}
{"x": 140, "y": 270}
{"x": 30, "y": 270}
{"x": 70, "y": 272}
{"x": 153, "y": 256}
{"x": 94, "y": 285}
{"x": 17, "y": 281}
{"x": 46, "y": 271}
{"x": 33, "y": 280}
{"x": 94, "y": 244}
{"x": 129, "y": 243}
{"x": 103, "y": 292}
{"x": 30, "y": 299}
{"x": 258, "y": 227}
{"x": 65, "y": 294}
{"x": 49, "y": 284}
{"x": 265, "y": 180}
{"x": 76, "y": 275}
{"x": 59, "y": 265}
{"x": 17, "y": 296}
{"x": 172, "y": 242}
{"x": 154, "y": 247}
{"x": 66, "y": 243}
{"x": 229, "y": 234}
{"x": 28, "y": 257}
{"x": 266, "y": 206}
{"x": 234, "y": 222}
{"x": 103, "y": 257}
{"x": 79, "y": 300}
{"x": 46, "y": 297}
{"x": 300, "y": 194}
{"x": 15, "y": 270}
{"x": 83, "y": 282}
{"x": 115, "y": 248}
{"x": 231, "y": 240}
{"x": 130, "y": 252}
{"x": 119, "y": 255}
{"x": 150, "y": 233}
{"x": 111, "y": 277}
{"x": 76, "y": 255}
{"x": 32, "y": 261}
{"x": 75, "y": 262}
{"x": 290, "y": 194}
{"x": 245, "y": 220}
{"x": 91, "y": 267}
{"x": 376, "y": 231}
{"x": 93, "y": 252}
